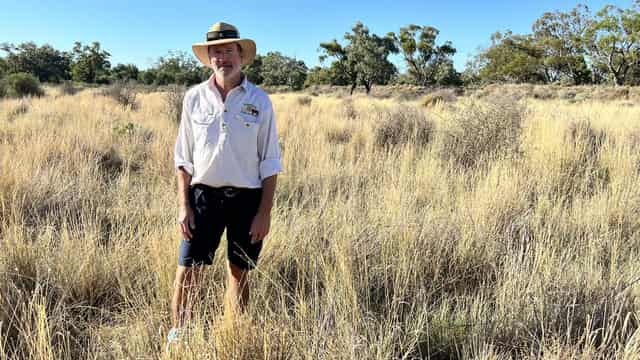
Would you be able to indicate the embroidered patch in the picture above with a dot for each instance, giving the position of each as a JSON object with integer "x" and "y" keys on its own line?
{"x": 250, "y": 109}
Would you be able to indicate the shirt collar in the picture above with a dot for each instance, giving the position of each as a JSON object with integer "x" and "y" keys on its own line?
{"x": 244, "y": 84}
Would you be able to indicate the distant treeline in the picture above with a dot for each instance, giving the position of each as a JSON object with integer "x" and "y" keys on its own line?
{"x": 573, "y": 48}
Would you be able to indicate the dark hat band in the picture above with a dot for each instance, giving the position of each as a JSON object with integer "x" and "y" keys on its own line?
{"x": 224, "y": 34}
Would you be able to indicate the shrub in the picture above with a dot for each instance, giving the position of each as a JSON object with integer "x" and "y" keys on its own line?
{"x": 568, "y": 94}
{"x": 439, "y": 96}
{"x": 304, "y": 101}
{"x": 543, "y": 93}
{"x": 581, "y": 172}
{"x": 483, "y": 130}
{"x": 20, "y": 109}
{"x": 611, "y": 93}
{"x": 339, "y": 135}
{"x": 579, "y": 178}
{"x": 110, "y": 162}
{"x": 400, "y": 126}
{"x": 22, "y": 84}
{"x": 348, "y": 110}
{"x": 585, "y": 140}
{"x": 123, "y": 93}
{"x": 67, "y": 88}
{"x": 173, "y": 102}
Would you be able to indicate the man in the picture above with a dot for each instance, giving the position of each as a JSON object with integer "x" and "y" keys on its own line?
{"x": 227, "y": 158}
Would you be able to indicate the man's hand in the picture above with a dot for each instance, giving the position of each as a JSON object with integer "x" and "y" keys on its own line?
{"x": 260, "y": 226}
{"x": 187, "y": 221}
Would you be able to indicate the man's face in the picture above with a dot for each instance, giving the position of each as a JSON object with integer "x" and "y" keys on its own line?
{"x": 225, "y": 60}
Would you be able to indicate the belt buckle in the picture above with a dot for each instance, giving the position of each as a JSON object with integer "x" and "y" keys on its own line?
{"x": 230, "y": 192}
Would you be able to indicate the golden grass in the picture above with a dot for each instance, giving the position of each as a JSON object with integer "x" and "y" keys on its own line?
{"x": 375, "y": 252}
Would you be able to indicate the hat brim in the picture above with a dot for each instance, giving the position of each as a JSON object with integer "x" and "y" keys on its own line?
{"x": 201, "y": 50}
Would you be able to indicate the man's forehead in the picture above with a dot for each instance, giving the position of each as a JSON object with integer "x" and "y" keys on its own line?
{"x": 223, "y": 46}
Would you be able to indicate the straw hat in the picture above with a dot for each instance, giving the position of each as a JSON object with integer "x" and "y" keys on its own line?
{"x": 223, "y": 33}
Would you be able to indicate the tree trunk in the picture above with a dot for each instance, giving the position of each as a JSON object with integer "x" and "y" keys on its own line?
{"x": 368, "y": 87}
{"x": 353, "y": 86}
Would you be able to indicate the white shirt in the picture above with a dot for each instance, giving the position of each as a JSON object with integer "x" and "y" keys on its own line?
{"x": 230, "y": 143}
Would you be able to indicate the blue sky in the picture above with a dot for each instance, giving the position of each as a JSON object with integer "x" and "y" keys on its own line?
{"x": 140, "y": 31}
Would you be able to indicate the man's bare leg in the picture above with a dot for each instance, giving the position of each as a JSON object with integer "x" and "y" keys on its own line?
{"x": 186, "y": 286}
{"x": 237, "y": 294}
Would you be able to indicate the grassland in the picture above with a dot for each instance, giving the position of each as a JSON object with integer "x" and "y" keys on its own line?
{"x": 487, "y": 227}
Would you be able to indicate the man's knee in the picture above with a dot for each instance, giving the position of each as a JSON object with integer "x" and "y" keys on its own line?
{"x": 187, "y": 276}
{"x": 237, "y": 274}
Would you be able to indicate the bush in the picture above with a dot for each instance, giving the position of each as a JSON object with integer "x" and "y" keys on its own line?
{"x": 173, "y": 102}
{"x": 482, "y": 130}
{"x": 304, "y": 101}
{"x": 18, "y": 110}
{"x": 439, "y": 96}
{"x": 22, "y": 84}
{"x": 568, "y": 94}
{"x": 585, "y": 140}
{"x": 400, "y": 126}
{"x": 67, "y": 88}
{"x": 348, "y": 110}
{"x": 543, "y": 93}
{"x": 123, "y": 93}
{"x": 339, "y": 135}
{"x": 611, "y": 93}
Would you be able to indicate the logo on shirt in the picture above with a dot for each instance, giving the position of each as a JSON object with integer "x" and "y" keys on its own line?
{"x": 250, "y": 109}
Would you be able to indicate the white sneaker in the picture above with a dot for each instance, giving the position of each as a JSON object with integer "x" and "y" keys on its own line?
{"x": 173, "y": 337}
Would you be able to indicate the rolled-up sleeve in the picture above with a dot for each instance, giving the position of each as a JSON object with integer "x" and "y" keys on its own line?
{"x": 268, "y": 146}
{"x": 183, "y": 152}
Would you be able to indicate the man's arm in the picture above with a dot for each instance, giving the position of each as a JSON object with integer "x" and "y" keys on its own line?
{"x": 270, "y": 166}
{"x": 268, "y": 191}
{"x": 186, "y": 218}
{"x": 184, "y": 179}
{"x": 262, "y": 221}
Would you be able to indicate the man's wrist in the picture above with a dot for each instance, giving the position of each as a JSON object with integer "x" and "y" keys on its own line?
{"x": 264, "y": 209}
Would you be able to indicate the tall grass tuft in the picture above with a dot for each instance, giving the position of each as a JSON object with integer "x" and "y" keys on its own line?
{"x": 401, "y": 126}
{"x": 123, "y": 92}
{"x": 479, "y": 131}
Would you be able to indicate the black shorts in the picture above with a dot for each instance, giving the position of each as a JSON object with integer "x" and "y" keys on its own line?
{"x": 217, "y": 209}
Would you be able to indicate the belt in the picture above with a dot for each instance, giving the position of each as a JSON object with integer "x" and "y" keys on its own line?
{"x": 226, "y": 191}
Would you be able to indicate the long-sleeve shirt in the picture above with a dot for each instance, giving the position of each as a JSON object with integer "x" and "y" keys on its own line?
{"x": 227, "y": 143}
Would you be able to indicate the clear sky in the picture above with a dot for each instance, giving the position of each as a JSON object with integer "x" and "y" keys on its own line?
{"x": 139, "y": 32}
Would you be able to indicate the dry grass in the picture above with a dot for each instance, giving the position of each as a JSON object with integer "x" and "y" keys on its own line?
{"x": 376, "y": 252}
{"x": 124, "y": 93}
{"x": 440, "y": 96}
{"x": 173, "y": 98}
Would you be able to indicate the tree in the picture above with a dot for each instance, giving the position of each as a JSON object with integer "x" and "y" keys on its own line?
{"x": 561, "y": 39}
{"x": 125, "y": 72}
{"x": 44, "y": 62}
{"x": 363, "y": 60}
{"x": 278, "y": 69}
{"x": 90, "y": 63}
{"x": 511, "y": 58}
{"x": 318, "y": 76}
{"x": 3, "y": 67}
{"x": 147, "y": 77}
{"x": 446, "y": 74}
{"x": 427, "y": 63}
{"x": 179, "y": 68}
{"x": 253, "y": 71}
{"x": 613, "y": 40}
{"x": 471, "y": 73}
{"x": 22, "y": 84}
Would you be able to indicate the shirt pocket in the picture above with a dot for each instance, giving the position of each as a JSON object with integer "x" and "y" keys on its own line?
{"x": 203, "y": 127}
{"x": 248, "y": 122}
